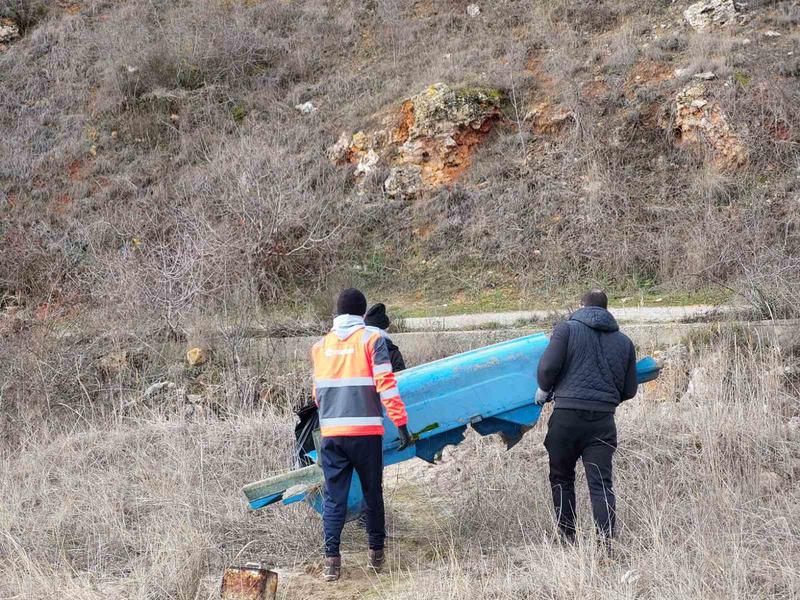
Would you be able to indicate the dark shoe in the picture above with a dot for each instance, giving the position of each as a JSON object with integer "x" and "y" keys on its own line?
{"x": 376, "y": 558}
{"x": 566, "y": 537}
{"x": 607, "y": 547}
{"x": 333, "y": 568}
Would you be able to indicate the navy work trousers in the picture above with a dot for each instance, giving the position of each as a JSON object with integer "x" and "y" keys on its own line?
{"x": 340, "y": 456}
{"x": 591, "y": 436}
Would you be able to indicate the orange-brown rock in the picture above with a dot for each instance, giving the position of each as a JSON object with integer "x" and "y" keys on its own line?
{"x": 9, "y": 32}
{"x": 699, "y": 122}
{"x": 428, "y": 142}
{"x": 196, "y": 356}
{"x": 544, "y": 118}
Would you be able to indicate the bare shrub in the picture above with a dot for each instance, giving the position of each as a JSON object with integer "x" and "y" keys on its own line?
{"x": 24, "y": 12}
{"x": 770, "y": 282}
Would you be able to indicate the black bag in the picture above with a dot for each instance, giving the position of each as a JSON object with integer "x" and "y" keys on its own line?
{"x": 308, "y": 416}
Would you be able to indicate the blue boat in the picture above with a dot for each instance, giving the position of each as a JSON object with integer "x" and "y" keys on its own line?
{"x": 490, "y": 389}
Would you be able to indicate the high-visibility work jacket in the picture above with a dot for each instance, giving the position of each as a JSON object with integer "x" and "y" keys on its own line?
{"x": 352, "y": 378}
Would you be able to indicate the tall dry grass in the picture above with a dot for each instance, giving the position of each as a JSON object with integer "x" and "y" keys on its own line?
{"x": 706, "y": 486}
{"x": 148, "y": 507}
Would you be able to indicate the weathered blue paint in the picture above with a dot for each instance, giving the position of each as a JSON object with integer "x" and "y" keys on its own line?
{"x": 490, "y": 388}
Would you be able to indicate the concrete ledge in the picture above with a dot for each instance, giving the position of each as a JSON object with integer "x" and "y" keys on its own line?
{"x": 424, "y": 346}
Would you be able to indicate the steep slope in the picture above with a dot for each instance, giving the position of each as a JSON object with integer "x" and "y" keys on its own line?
{"x": 154, "y": 163}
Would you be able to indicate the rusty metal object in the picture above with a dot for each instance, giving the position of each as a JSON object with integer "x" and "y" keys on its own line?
{"x": 250, "y": 582}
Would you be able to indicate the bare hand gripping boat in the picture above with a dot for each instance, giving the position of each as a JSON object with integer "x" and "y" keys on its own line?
{"x": 490, "y": 389}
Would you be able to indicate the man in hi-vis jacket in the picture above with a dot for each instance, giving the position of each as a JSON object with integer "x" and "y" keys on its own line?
{"x": 353, "y": 379}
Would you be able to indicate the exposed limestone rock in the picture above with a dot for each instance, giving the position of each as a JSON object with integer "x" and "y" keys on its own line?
{"x": 340, "y": 150}
{"x": 405, "y": 180}
{"x": 700, "y": 121}
{"x": 306, "y": 108}
{"x": 545, "y": 118}
{"x": 428, "y": 143}
{"x": 196, "y": 356}
{"x": 367, "y": 163}
{"x": 195, "y": 398}
{"x": 9, "y": 31}
{"x": 704, "y": 15}
{"x": 158, "y": 388}
{"x": 703, "y": 378}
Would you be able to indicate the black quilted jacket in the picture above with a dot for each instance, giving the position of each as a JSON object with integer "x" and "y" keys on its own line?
{"x": 589, "y": 364}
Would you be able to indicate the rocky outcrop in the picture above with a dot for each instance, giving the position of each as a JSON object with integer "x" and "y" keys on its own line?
{"x": 699, "y": 121}
{"x": 9, "y": 31}
{"x": 708, "y": 13}
{"x": 545, "y": 118}
{"x": 428, "y": 142}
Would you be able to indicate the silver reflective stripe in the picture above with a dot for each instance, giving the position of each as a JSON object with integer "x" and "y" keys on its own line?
{"x": 384, "y": 368}
{"x": 390, "y": 393}
{"x": 347, "y": 421}
{"x": 344, "y": 382}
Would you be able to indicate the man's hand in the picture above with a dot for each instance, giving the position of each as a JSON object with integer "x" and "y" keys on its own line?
{"x": 406, "y": 438}
{"x": 541, "y": 397}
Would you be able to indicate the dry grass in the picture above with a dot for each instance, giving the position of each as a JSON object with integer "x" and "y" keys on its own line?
{"x": 148, "y": 506}
{"x": 707, "y": 501}
{"x": 158, "y": 190}
{"x": 151, "y": 506}
{"x": 152, "y": 158}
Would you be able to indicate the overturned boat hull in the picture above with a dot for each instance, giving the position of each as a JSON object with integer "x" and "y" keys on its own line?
{"x": 490, "y": 389}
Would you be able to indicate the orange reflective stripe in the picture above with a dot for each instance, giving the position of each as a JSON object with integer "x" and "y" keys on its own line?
{"x": 386, "y": 386}
{"x": 351, "y": 431}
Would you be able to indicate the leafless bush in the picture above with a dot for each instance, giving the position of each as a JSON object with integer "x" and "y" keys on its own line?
{"x": 770, "y": 282}
{"x": 624, "y": 50}
{"x": 26, "y": 13}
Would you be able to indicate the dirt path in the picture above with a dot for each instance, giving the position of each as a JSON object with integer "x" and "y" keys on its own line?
{"x": 411, "y": 543}
{"x": 632, "y": 314}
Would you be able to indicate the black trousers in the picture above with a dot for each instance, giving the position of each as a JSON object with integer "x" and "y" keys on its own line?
{"x": 591, "y": 436}
{"x": 339, "y": 457}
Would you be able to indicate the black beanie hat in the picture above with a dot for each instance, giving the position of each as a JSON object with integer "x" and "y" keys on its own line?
{"x": 351, "y": 302}
{"x": 376, "y": 317}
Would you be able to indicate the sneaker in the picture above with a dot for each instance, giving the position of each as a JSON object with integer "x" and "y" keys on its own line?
{"x": 333, "y": 568}
{"x": 376, "y": 558}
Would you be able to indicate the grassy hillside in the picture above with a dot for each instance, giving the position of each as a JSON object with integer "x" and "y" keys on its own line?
{"x": 153, "y": 163}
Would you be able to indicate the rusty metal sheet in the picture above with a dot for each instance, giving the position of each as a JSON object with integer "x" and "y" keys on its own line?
{"x": 251, "y": 582}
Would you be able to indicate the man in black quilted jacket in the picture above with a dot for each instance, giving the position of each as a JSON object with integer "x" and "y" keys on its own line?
{"x": 588, "y": 369}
